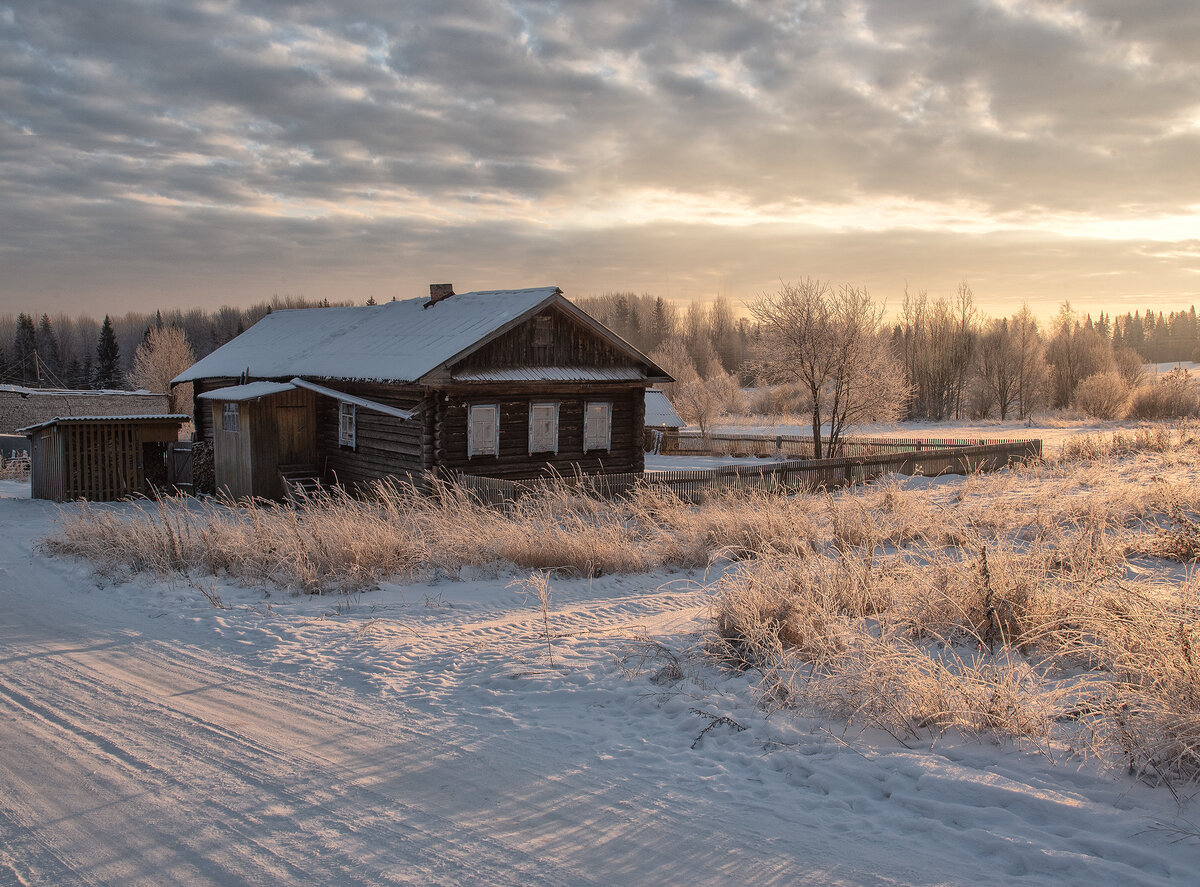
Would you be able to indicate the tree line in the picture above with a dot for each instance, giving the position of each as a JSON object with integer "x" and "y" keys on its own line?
{"x": 938, "y": 358}
{"x": 65, "y": 351}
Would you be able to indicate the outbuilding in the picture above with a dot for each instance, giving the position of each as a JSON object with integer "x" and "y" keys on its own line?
{"x": 100, "y": 458}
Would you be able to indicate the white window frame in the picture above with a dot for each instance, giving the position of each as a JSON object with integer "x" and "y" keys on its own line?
{"x": 347, "y": 424}
{"x": 474, "y": 448}
{"x": 587, "y": 423}
{"x": 230, "y": 417}
{"x": 534, "y": 406}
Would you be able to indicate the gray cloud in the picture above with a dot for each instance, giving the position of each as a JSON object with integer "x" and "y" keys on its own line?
{"x": 234, "y": 141}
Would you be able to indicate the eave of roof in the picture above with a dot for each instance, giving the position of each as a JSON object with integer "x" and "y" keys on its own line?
{"x": 552, "y": 374}
{"x": 177, "y": 418}
{"x": 249, "y": 391}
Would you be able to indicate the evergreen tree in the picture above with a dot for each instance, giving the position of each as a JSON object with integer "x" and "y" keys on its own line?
{"x": 24, "y": 351}
{"x": 49, "y": 354}
{"x": 108, "y": 357}
{"x": 3, "y": 366}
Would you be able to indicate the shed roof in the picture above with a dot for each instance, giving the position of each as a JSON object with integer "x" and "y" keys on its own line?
{"x": 659, "y": 410}
{"x": 250, "y": 391}
{"x": 177, "y": 418}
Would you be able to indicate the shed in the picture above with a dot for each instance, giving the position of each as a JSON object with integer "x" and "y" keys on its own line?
{"x": 100, "y": 458}
{"x": 500, "y": 383}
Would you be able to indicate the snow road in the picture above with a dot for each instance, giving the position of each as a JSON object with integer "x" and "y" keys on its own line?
{"x": 149, "y": 738}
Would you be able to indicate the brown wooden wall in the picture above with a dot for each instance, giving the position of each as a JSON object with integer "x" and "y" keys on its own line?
{"x": 231, "y": 450}
{"x": 384, "y": 445}
{"x": 514, "y": 460}
{"x": 272, "y": 431}
{"x": 204, "y": 429}
{"x": 99, "y": 461}
{"x": 569, "y": 345}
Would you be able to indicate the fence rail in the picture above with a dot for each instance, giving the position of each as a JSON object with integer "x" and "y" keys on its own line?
{"x": 792, "y": 475}
{"x": 793, "y": 446}
{"x": 14, "y": 466}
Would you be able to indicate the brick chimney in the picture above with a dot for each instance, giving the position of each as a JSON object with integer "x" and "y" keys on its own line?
{"x": 438, "y": 292}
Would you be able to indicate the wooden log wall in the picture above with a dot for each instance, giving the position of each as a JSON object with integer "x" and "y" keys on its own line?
{"x": 514, "y": 460}
{"x": 384, "y": 445}
{"x": 555, "y": 341}
{"x": 202, "y": 419}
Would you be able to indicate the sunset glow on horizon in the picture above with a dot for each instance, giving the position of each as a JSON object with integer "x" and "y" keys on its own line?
{"x": 206, "y": 153}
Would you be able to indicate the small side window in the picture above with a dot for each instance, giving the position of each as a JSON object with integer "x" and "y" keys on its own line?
{"x": 483, "y": 430}
{"x": 346, "y": 424}
{"x": 543, "y": 427}
{"x": 597, "y": 426}
{"x": 229, "y": 417}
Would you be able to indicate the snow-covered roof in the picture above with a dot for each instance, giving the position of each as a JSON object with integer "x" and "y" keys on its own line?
{"x": 75, "y": 420}
{"x": 250, "y": 391}
{"x": 77, "y": 392}
{"x": 659, "y": 410}
{"x": 395, "y": 341}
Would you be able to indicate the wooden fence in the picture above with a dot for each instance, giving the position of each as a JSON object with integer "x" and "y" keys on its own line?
{"x": 792, "y": 475}
{"x": 794, "y": 446}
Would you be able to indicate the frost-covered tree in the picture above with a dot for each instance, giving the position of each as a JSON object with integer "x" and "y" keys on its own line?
{"x": 163, "y": 355}
{"x": 828, "y": 341}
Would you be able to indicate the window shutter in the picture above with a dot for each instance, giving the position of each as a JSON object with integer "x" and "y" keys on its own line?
{"x": 543, "y": 428}
{"x": 597, "y": 426}
{"x": 482, "y": 430}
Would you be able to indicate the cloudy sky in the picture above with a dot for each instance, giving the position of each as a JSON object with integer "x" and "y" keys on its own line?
{"x": 200, "y": 153}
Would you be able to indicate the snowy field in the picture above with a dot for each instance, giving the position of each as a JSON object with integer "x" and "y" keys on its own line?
{"x": 419, "y": 734}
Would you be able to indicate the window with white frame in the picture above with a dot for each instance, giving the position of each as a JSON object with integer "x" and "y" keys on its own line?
{"x": 229, "y": 417}
{"x": 597, "y": 426}
{"x": 483, "y": 430}
{"x": 543, "y": 427}
{"x": 346, "y": 424}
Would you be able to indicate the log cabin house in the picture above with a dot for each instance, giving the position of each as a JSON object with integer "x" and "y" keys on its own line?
{"x": 504, "y": 383}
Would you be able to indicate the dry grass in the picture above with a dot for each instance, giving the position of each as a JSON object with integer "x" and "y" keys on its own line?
{"x": 1035, "y": 604}
{"x": 1012, "y": 611}
{"x": 14, "y": 467}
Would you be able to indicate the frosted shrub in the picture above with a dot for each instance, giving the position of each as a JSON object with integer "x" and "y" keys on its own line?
{"x": 1103, "y": 396}
{"x": 1172, "y": 397}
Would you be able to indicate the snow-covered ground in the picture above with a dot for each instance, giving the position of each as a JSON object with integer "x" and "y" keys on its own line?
{"x": 419, "y": 734}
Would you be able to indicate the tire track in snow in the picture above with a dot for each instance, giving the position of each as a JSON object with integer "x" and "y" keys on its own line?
{"x": 240, "y": 765}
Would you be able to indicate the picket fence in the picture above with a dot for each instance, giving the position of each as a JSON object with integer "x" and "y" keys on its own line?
{"x": 791, "y": 475}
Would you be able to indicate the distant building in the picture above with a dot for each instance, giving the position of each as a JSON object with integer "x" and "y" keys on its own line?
{"x": 662, "y": 420}
{"x": 22, "y": 407}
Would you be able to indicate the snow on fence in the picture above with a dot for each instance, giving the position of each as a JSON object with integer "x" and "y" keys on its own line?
{"x": 792, "y": 475}
{"x": 793, "y": 446}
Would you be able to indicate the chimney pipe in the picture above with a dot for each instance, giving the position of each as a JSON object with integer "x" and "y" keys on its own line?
{"x": 438, "y": 292}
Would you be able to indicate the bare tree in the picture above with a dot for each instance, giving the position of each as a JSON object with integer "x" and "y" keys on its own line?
{"x": 999, "y": 365}
{"x": 829, "y": 342}
{"x": 163, "y": 355}
{"x": 1074, "y": 353}
{"x": 1031, "y": 361}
